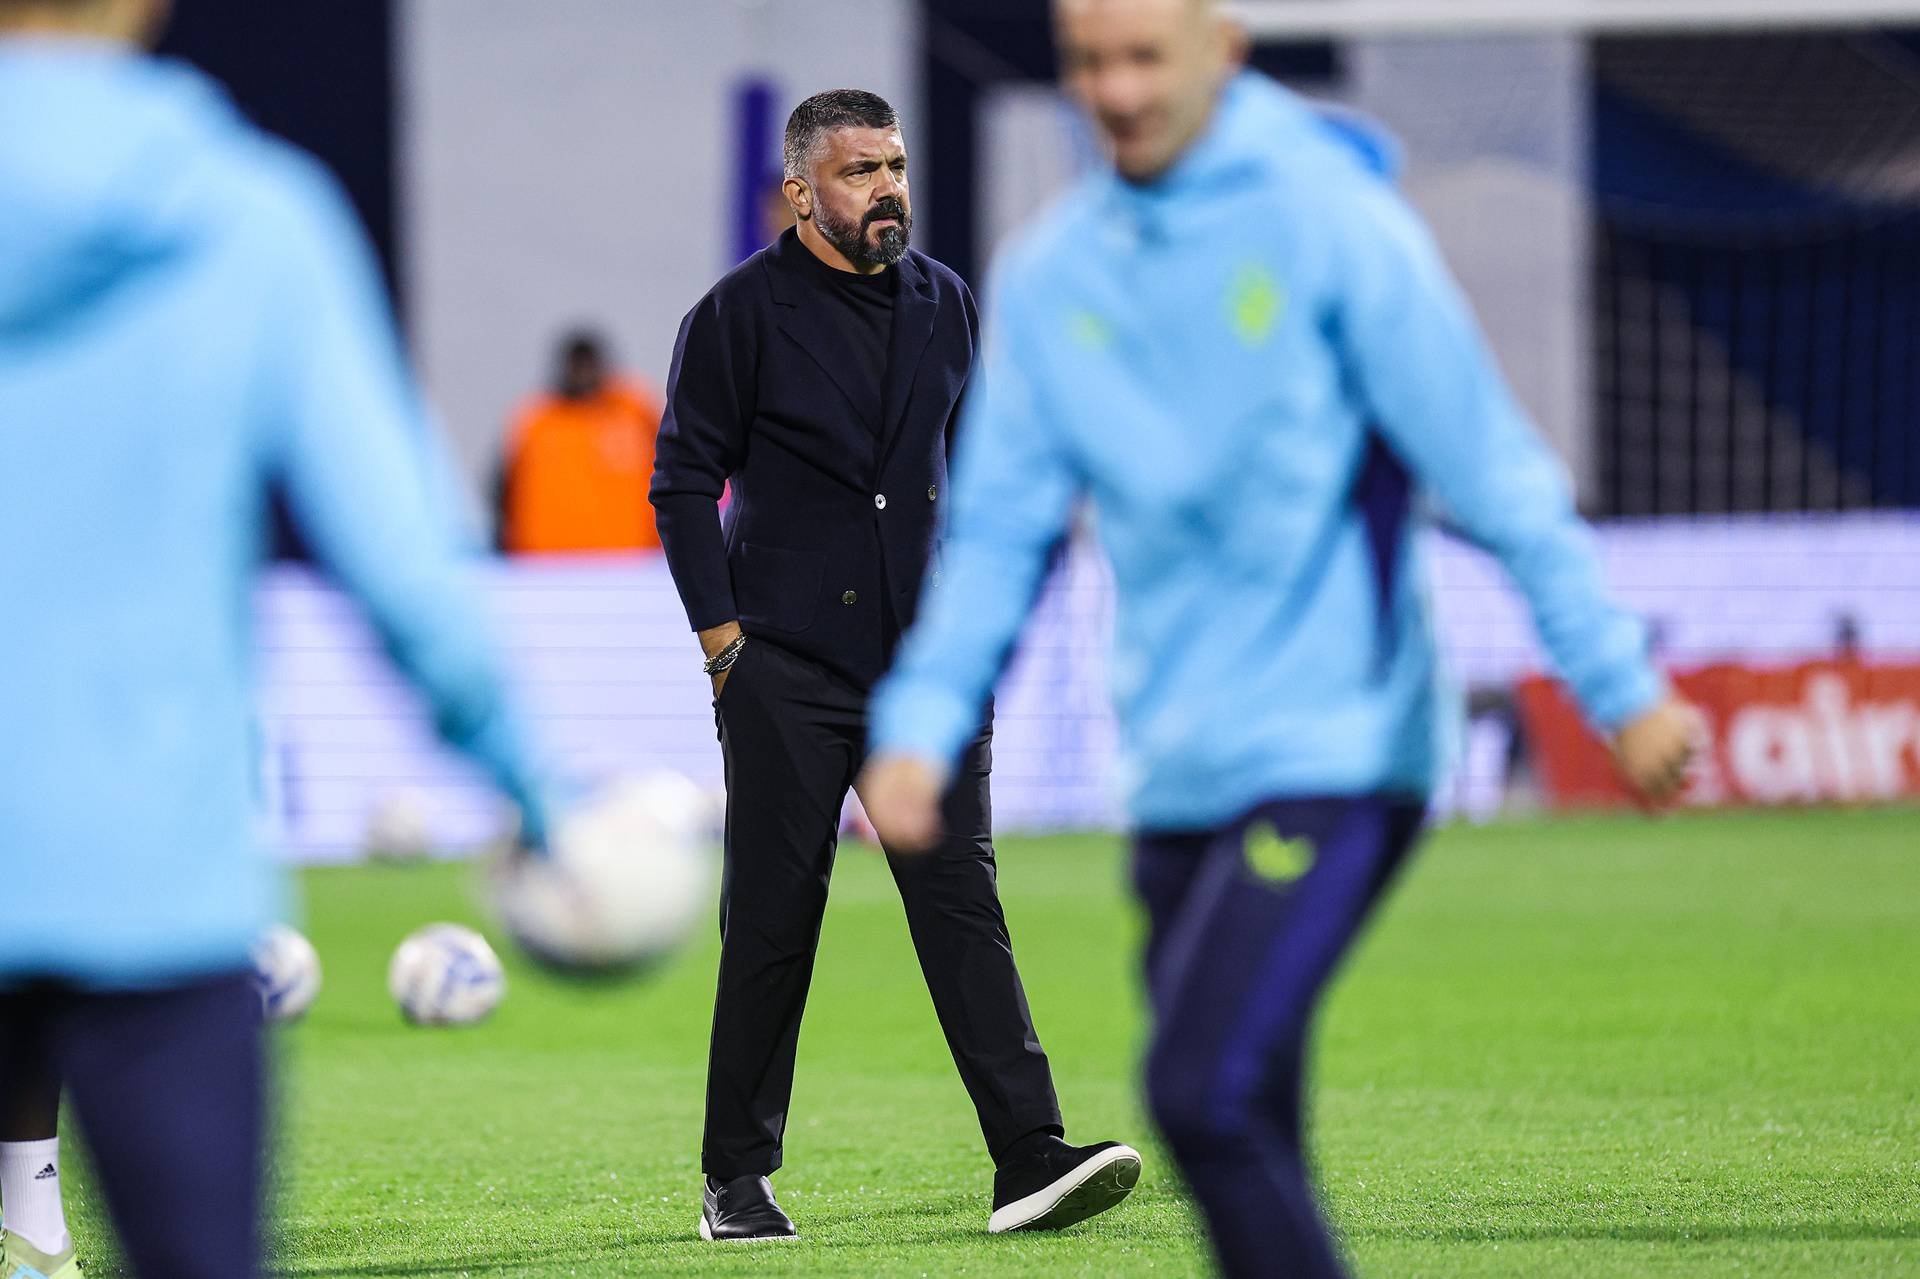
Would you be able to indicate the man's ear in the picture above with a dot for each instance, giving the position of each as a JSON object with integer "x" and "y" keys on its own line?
{"x": 799, "y": 197}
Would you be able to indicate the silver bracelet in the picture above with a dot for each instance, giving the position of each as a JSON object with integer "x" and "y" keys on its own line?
{"x": 723, "y": 661}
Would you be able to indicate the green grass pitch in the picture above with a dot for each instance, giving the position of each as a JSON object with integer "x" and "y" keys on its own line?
{"x": 1567, "y": 1048}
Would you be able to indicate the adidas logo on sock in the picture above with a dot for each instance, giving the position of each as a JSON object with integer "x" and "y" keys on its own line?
{"x": 44, "y": 1173}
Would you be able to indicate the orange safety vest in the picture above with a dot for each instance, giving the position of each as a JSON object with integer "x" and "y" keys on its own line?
{"x": 577, "y": 473}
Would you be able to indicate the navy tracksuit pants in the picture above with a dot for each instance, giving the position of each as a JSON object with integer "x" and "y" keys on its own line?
{"x": 1247, "y": 923}
{"x": 170, "y": 1089}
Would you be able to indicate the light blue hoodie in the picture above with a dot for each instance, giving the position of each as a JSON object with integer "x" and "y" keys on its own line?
{"x": 189, "y": 316}
{"x": 1250, "y": 366}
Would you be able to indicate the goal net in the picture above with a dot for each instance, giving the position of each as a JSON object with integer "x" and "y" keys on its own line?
{"x": 1693, "y": 226}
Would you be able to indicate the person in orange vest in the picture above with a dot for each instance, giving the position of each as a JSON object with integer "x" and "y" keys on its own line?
{"x": 579, "y": 459}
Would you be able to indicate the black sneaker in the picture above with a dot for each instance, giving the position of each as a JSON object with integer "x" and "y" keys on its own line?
{"x": 743, "y": 1211}
{"x": 1059, "y": 1184}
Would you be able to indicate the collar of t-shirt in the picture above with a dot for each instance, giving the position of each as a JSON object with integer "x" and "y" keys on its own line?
{"x": 880, "y": 282}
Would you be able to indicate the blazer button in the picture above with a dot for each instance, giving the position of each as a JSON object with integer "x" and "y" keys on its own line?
{"x": 850, "y": 597}
{"x": 933, "y": 492}
{"x": 879, "y": 501}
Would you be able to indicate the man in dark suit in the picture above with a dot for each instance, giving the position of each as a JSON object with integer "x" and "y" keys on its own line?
{"x": 822, "y": 378}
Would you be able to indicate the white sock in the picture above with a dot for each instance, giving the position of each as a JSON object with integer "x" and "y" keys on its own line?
{"x": 30, "y": 1193}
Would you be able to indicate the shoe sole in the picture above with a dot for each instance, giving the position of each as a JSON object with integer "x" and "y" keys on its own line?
{"x": 706, "y": 1233}
{"x": 1087, "y": 1191}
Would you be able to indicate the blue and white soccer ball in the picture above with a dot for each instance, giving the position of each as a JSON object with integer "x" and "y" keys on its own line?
{"x": 445, "y": 975}
{"x": 626, "y": 877}
{"x": 286, "y": 972}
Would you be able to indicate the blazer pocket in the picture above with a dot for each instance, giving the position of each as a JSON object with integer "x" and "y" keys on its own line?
{"x": 777, "y": 588}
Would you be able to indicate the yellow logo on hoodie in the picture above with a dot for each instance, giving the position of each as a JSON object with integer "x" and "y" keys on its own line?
{"x": 1255, "y": 303}
{"x": 1090, "y": 331}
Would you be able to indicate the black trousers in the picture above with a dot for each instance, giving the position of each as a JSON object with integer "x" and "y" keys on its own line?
{"x": 794, "y": 737}
{"x": 169, "y": 1087}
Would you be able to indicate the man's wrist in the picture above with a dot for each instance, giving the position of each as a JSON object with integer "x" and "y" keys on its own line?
{"x": 715, "y": 639}
{"x": 722, "y": 662}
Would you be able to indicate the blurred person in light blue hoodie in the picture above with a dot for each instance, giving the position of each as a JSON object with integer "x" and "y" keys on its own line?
{"x": 190, "y": 318}
{"x": 1242, "y": 347}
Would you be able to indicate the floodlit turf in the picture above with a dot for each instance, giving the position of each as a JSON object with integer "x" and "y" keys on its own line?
{"x": 1568, "y": 1048}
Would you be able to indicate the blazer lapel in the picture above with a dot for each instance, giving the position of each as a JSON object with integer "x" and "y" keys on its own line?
{"x": 803, "y": 318}
{"x": 914, "y": 309}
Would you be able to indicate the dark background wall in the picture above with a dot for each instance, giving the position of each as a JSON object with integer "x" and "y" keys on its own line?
{"x": 319, "y": 75}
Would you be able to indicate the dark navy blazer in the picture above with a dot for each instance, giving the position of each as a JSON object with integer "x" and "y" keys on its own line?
{"x": 831, "y": 526}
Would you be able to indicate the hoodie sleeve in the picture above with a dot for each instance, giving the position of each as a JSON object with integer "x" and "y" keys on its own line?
{"x": 349, "y": 442}
{"x": 1014, "y": 489}
{"x": 1434, "y": 390}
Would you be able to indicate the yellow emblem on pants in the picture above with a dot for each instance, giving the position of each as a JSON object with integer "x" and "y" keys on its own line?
{"x": 1275, "y": 859}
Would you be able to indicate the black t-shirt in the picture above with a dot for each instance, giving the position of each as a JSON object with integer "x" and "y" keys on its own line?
{"x": 862, "y": 309}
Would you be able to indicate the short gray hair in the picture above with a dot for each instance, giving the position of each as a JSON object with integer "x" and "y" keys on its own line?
{"x": 819, "y": 115}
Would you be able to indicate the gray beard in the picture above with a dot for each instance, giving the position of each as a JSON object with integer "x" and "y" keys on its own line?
{"x": 851, "y": 239}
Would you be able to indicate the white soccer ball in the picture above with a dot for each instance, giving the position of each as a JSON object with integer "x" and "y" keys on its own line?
{"x": 400, "y": 827}
{"x": 625, "y": 879}
{"x": 286, "y": 972}
{"x": 445, "y": 975}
